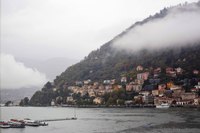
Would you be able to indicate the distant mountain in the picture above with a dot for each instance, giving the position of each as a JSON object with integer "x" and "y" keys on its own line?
{"x": 16, "y": 95}
{"x": 51, "y": 67}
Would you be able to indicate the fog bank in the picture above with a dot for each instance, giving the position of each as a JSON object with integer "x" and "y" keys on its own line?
{"x": 179, "y": 27}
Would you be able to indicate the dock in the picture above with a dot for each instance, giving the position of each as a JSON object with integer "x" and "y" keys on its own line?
{"x": 58, "y": 119}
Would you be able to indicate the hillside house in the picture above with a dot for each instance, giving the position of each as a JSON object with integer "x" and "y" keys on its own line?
{"x": 169, "y": 69}
{"x": 101, "y": 87}
{"x": 197, "y": 101}
{"x": 137, "y": 88}
{"x": 53, "y": 102}
{"x": 83, "y": 92}
{"x": 101, "y": 92}
{"x": 162, "y": 86}
{"x": 112, "y": 81}
{"x": 194, "y": 90}
{"x": 179, "y": 70}
{"x": 139, "y": 68}
{"x": 91, "y": 93}
{"x": 95, "y": 83}
{"x": 157, "y": 70}
{"x": 139, "y": 81}
{"x": 147, "y": 90}
{"x": 189, "y": 96}
{"x": 160, "y": 100}
{"x": 69, "y": 99}
{"x": 196, "y": 72}
{"x": 106, "y": 82}
{"x": 168, "y": 93}
{"x": 144, "y": 93}
{"x": 143, "y": 76}
{"x": 155, "y": 93}
{"x": 123, "y": 79}
{"x": 149, "y": 99}
{"x": 129, "y": 87}
{"x": 177, "y": 93}
{"x": 172, "y": 73}
{"x": 98, "y": 101}
{"x": 176, "y": 87}
{"x": 117, "y": 87}
{"x": 156, "y": 75}
{"x": 108, "y": 87}
{"x": 197, "y": 86}
{"x": 55, "y": 89}
{"x": 128, "y": 102}
{"x": 138, "y": 99}
{"x": 170, "y": 84}
{"x": 86, "y": 82}
{"x": 78, "y": 83}
{"x": 177, "y": 90}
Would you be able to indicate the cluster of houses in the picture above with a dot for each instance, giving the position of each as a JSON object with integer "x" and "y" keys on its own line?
{"x": 154, "y": 92}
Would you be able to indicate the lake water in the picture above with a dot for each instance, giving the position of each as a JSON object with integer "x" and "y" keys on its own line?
{"x": 106, "y": 120}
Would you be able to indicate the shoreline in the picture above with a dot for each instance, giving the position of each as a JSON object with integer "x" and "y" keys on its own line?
{"x": 124, "y": 106}
{"x": 113, "y": 106}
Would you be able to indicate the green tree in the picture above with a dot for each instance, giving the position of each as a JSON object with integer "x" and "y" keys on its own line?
{"x": 111, "y": 101}
{"x": 120, "y": 101}
{"x": 8, "y": 103}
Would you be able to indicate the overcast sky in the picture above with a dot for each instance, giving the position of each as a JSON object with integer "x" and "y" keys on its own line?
{"x": 44, "y": 29}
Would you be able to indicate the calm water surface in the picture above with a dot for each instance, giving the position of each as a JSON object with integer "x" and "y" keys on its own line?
{"x": 106, "y": 120}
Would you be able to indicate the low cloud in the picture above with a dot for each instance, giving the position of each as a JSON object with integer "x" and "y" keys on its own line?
{"x": 15, "y": 75}
{"x": 179, "y": 27}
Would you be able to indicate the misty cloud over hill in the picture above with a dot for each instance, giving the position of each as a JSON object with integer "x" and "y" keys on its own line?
{"x": 177, "y": 27}
{"x": 15, "y": 75}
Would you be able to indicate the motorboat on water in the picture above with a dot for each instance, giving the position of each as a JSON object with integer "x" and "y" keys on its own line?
{"x": 4, "y": 124}
{"x": 35, "y": 123}
{"x": 29, "y": 122}
{"x": 42, "y": 123}
{"x": 12, "y": 124}
{"x": 74, "y": 118}
{"x": 16, "y": 123}
{"x": 163, "y": 106}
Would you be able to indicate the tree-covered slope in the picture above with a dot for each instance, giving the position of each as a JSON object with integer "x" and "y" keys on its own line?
{"x": 101, "y": 64}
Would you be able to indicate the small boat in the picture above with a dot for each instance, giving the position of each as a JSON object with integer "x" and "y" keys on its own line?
{"x": 163, "y": 106}
{"x": 4, "y": 124}
{"x": 16, "y": 124}
{"x": 73, "y": 118}
{"x": 29, "y": 122}
{"x": 19, "y": 121}
{"x": 42, "y": 123}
